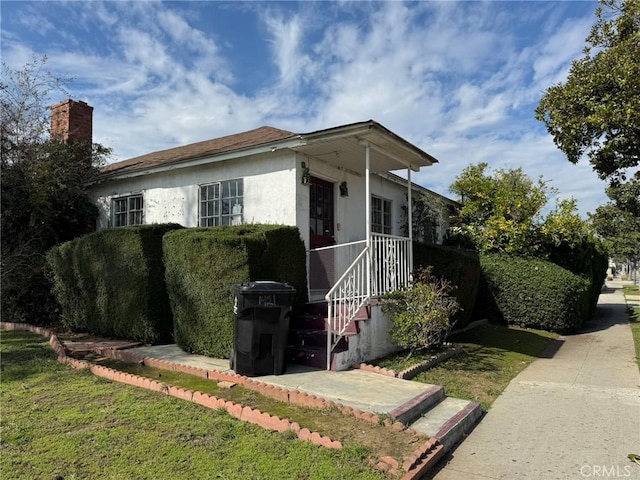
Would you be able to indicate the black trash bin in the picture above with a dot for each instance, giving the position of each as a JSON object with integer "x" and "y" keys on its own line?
{"x": 261, "y": 327}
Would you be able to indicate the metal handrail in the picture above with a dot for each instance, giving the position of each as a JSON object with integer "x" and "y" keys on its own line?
{"x": 378, "y": 269}
{"x": 345, "y": 299}
{"x": 337, "y": 246}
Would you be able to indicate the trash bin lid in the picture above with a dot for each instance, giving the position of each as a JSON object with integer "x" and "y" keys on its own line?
{"x": 264, "y": 286}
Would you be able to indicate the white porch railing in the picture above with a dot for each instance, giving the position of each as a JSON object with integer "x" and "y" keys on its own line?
{"x": 345, "y": 299}
{"x": 377, "y": 270}
{"x": 390, "y": 259}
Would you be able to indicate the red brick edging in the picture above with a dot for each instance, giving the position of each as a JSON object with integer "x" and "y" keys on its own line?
{"x": 414, "y": 370}
{"x": 414, "y": 467}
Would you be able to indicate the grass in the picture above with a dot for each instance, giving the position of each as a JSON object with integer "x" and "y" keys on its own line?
{"x": 329, "y": 422}
{"x": 634, "y": 319}
{"x": 60, "y": 422}
{"x": 492, "y": 356}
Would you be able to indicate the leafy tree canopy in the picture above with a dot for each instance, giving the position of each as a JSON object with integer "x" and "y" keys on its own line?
{"x": 44, "y": 198}
{"x": 620, "y": 230}
{"x": 597, "y": 111}
{"x": 500, "y": 212}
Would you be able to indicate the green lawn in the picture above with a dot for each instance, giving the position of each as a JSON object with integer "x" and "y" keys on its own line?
{"x": 57, "y": 421}
{"x": 634, "y": 319}
{"x": 330, "y": 422}
{"x": 492, "y": 356}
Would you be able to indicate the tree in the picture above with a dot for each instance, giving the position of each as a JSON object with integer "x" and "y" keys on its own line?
{"x": 563, "y": 225}
{"x": 500, "y": 212}
{"x": 618, "y": 221}
{"x": 620, "y": 230}
{"x": 597, "y": 111}
{"x": 25, "y": 96}
{"x": 44, "y": 196}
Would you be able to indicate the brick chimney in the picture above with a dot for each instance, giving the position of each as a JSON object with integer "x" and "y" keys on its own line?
{"x": 72, "y": 121}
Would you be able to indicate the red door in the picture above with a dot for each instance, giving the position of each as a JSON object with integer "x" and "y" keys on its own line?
{"x": 321, "y": 213}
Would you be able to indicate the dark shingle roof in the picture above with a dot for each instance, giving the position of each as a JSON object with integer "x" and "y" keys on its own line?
{"x": 230, "y": 143}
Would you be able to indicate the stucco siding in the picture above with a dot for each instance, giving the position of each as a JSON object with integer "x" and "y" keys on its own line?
{"x": 173, "y": 195}
{"x": 350, "y": 211}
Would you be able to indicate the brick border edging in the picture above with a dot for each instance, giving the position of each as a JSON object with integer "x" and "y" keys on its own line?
{"x": 414, "y": 370}
{"x": 415, "y": 466}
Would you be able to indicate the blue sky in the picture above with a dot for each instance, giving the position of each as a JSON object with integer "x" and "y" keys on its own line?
{"x": 460, "y": 80}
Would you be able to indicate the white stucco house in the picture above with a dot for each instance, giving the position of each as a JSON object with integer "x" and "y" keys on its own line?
{"x": 336, "y": 185}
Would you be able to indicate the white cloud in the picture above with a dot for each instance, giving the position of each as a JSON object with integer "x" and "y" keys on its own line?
{"x": 458, "y": 79}
{"x": 535, "y": 153}
{"x": 36, "y": 23}
{"x": 286, "y": 40}
{"x": 477, "y": 110}
{"x": 145, "y": 51}
{"x": 207, "y": 56}
{"x": 559, "y": 50}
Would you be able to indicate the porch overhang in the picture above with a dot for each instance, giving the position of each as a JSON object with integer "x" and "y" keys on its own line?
{"x": 345, "y": 147}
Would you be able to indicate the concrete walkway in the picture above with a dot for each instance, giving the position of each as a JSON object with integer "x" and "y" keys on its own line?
{"x": 360, "y": 389}
{"x": 572, "y": 416}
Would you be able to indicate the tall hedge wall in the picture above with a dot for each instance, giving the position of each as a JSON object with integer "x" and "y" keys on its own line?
{"x": 111, "y": 283}
{"x": 531, "y": 293}
{"x": 589, "y": 259}
{"x": 202, "y": 264}
{"x": 460, "y": 267}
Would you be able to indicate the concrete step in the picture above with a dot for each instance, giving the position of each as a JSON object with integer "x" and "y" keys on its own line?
{"x": 449, "y": 420}
{"x": 412, "y": 410}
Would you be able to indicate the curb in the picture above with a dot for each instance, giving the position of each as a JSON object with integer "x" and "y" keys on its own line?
{"x": 414, "y": 467}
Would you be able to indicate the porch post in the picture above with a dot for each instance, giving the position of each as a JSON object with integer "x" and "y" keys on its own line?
{"x": 410, "y": 220}
{"x": 367, "y": 215}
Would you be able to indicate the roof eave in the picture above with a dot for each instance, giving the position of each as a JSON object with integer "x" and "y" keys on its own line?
{"x": 125, "y": 172}
{"x": 366, "y": 131}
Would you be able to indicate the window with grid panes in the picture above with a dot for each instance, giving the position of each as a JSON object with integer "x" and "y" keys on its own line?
{"x": 221, "y": 203}
{"x": 380, "y": 215}
{"x": 128, "y": 210}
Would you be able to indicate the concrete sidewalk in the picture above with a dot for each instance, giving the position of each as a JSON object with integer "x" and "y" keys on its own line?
{"x": 572, "y": 416}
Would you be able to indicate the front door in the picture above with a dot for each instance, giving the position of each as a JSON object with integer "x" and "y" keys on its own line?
{"x": 321, "y": 263}
{"x": 321, "y": 213}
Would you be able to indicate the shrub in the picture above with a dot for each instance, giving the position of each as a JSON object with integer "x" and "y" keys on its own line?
{"x": 111, "y": 283}
{"x": 460, "y": 267}
{"x": 202, "y": 264}
{"x": 587, "y": 258}
{"x": 420, "y": 312}
{"x": 531, "y": 293}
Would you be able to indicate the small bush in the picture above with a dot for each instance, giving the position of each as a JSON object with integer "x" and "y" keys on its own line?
{"x": 420, "y": 313}
{"x": 202, "y": 264}
{"x": 531, "y": 293}
{"x": 460, "y": 267}
{"x": 111, "y": 283}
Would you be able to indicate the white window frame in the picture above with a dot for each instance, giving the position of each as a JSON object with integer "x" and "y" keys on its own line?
{"x": 127, "y": 210}
{"x": 221, "y": 203}
{"x": 381, "y": 215}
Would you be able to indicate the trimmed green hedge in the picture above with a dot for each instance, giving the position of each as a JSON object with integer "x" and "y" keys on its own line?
{"x": 203, "y": 264}
{"x": 458, "y": 266}
{"x": 589, "y": 259}
{"x": 532, "y": 293}
{"x": 111, "y": 283}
